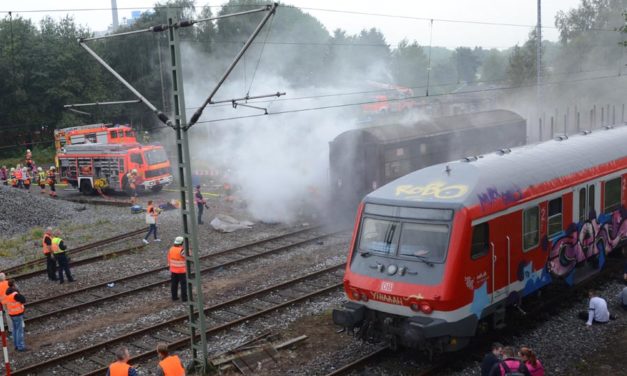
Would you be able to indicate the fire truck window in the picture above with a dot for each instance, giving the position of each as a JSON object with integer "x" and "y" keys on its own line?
{"x": 611, "y": 200}
{"x": 555, "y": 217}
{"x": 136, "y": 158}
{"x": 114, "y": 134}
{"x": 480, "y": 241}
{"x": 531, "y": 228}
{"x": 130, "y": 134}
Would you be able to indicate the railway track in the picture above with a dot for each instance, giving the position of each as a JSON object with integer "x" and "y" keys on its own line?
{"x": 94, "y": 294}
{"x": 94, "y": 359}
{"x": 25, "y": 267}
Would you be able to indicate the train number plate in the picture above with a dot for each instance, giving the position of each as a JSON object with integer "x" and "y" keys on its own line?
{"x": 387, "y": 286}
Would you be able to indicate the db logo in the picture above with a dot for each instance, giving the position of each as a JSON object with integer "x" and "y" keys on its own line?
{"x": 387, "y": 286}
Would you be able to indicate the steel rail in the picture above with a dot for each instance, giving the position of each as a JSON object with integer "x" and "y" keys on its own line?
{"x": 76, "y": 250}
{"x": 178, "y": 343}
{"x": 166, "y": 280}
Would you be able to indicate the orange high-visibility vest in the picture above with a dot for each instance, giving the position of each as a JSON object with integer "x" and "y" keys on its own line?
{"x": 176, "y": 259}
{"x": 14, "y": 307}
{"x": 119, "y": 369}
{"x": 4, "y": 285}
{"x": 18, "y": 174}
{"x": 45, "y": 247}
{"x": 172, "y": 366}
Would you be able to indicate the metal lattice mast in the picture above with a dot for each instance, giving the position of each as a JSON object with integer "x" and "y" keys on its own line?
{"x": 197, "y": 320}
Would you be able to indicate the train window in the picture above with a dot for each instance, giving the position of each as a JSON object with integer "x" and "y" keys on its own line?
{"x": 582, "y": 204}
{"x": 379, "y": 236}
{"x": 423, "y": 240}
{"x": 531, "y": 228}
{"x": 555, "y": 216}
{"x": 591, "y": 204}
{"x": 480, "y": 241}
{"x": 611, "y": 200}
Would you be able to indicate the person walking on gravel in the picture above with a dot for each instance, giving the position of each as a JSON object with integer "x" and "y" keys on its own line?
{"x": 14, "y": 301}
{"x": 121, "y": 367}
{"x": 46, "y": 244}
{"x": 41, "y": 180}
{"x": 52, "y": 181}
{"x": 176, "y": 262}
{"x": 58, "y": 250}
{"x": 169, "y": 365}
{"x": 151, "y": 220}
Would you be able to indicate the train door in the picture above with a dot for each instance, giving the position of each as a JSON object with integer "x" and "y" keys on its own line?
{"x": 586, "y": 200}
{"x": 500, "y": 248}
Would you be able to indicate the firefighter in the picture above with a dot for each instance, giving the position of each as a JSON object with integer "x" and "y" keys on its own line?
{"x": 132, "y": 185}
{"x": 12, "y": 180}
{"x": 4, "y": 175}
{"x": 14, "y": 301}
{"x": 26, "y": 178}
{"x": 58, "y": 250}
{"x": 121, "y": 367}
{"x": 176, "y": 262}
{"x": 46, "y": 244}
{"x": 19, "y": 177}
{"x": 52, "y": 181}
{"x": 169, "y": 365}
{"x": 41, "y": 179}
{"x": 29, "y": 159}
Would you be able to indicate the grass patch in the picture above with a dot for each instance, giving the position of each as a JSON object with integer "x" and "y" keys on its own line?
{"x": 37, "y": 233}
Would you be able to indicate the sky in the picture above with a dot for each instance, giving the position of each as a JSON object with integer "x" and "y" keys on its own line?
{"x": 447, "y": 30}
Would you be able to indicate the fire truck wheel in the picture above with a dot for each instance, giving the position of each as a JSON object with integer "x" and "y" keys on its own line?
{"x": 86, "y": 188}
{"x": 157, "y": 188}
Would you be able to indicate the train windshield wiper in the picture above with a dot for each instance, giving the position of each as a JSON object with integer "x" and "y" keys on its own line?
{"x": 421, "y": 256}
{"x": 365, "y": 253}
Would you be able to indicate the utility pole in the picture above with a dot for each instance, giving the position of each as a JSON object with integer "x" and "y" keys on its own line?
{"x": 197, "y": 319}
{"x": 539, "y": 62}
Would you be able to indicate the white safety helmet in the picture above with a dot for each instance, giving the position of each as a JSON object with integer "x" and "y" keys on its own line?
{"x": 52, "y": 168}
{"x": 179, "y": 240}
{"x": 12, "y": 169}
{"x": 134, "y": 171}
{"x": 40, "y": 169}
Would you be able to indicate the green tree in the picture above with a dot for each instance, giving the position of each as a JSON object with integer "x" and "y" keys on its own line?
{"x": 494, "y": 66}
{"x": 409, "y": 64}
{"x": 466, "y": 64}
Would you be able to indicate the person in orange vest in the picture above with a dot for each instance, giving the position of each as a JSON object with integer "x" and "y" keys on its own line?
{"x": 169, "y": 365}
{"x": 4, "y": 286}
{"x": 51, "y": 263}
{"x": 26, "y": 178}
{"x": 121, "y": 367}
{"x": 151, "y": 220}
{"x": 52, "y": 180}
{"x": 14, "y": 301}
{"x": 19, "y": 177}
{"x": 132, "y": 184}
{"x": 176, "y": 262}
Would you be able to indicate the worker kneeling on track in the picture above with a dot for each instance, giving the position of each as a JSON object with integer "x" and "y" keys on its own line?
{"x": 176, "y": 262}
{"x": 121, "y": 367}
{"x": 169, "y": 365}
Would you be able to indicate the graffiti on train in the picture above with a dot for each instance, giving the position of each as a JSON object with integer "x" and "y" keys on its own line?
{"x": 587, "y": 241}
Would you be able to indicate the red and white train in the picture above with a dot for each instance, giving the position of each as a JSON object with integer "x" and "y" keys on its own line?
{"x": 441, "y": 252}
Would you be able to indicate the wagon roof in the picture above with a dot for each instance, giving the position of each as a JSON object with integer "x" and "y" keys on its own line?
{"x": 437, "y": 125}
{"x": 506, "y": 174}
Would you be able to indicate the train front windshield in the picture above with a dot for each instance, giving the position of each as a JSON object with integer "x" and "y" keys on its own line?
{"x": 405, "y": 232}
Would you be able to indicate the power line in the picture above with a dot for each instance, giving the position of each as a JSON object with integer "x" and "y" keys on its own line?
{"x": 371, "y": 14}
{"x": 400, "y": 99}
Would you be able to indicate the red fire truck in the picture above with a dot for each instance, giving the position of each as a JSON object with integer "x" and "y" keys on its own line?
{"x": 99, "y": 156}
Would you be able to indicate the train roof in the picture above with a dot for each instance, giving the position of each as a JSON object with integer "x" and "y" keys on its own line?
{"x": 434, "y": 126}
{"x": 504, "y": 174}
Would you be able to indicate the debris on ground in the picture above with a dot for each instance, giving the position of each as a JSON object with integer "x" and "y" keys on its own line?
{"x": 226, "y": 223}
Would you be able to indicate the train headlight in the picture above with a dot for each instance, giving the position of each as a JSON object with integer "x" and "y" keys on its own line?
{"x": 426, "y": 308}
{"x": 414, "y": 307}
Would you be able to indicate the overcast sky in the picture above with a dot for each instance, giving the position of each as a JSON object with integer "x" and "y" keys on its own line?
{"x": 448, "y": 34}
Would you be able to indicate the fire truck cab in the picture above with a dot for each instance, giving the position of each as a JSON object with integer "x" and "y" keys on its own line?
{"x": 90, "y": 167}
